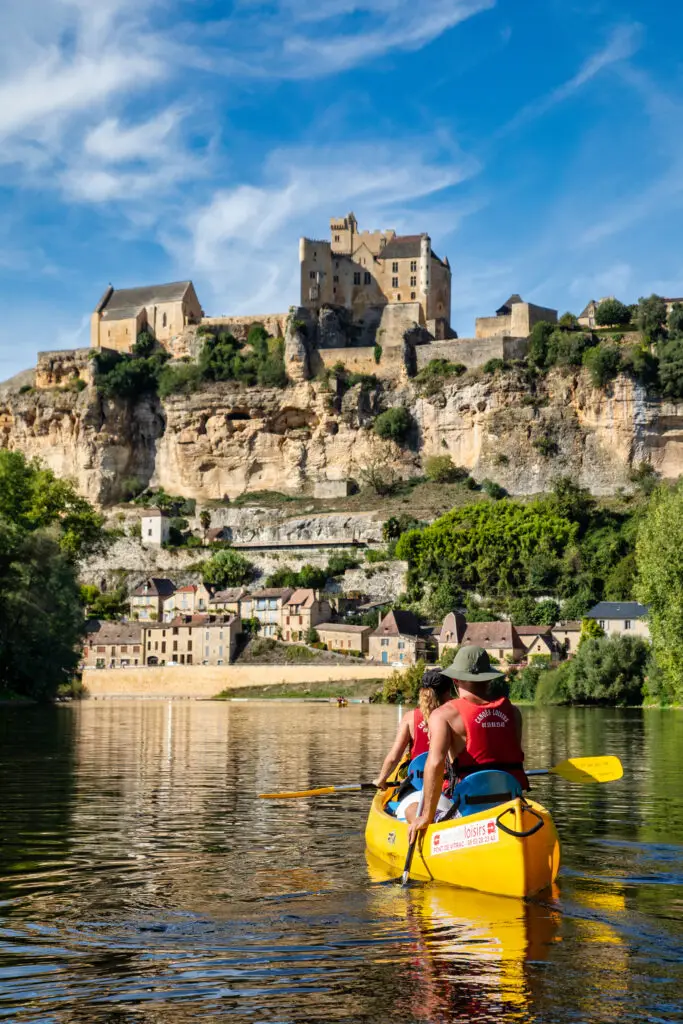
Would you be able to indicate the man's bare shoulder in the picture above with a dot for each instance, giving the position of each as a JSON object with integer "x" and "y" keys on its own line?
{"x": 447, "y": 713}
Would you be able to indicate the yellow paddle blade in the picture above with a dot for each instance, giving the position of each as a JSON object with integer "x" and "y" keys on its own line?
{"x": 589, "y": 769}
{"x": 293, "y": 795}
{"x": 351, "y": 787}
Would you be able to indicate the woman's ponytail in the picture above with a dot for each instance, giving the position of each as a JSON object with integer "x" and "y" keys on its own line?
{"x": 428, "y": 701}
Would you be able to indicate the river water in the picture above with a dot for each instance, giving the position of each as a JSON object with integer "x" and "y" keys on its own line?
{"x": 141, "y": 882}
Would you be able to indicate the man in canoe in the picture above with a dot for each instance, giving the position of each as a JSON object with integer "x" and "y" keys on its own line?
{"x": 413, "y": 732}
{"x": 475, "y": 732}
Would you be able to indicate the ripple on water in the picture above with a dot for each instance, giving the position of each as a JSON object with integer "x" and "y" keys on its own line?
{"x": 141, "y": 881}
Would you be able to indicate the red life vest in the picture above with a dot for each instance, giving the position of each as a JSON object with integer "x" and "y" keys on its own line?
{"x": 491, "y": 738}
{"x": 420, "y": 735}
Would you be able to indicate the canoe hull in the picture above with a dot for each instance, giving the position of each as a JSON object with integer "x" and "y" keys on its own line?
{"x": 473, "y": 852}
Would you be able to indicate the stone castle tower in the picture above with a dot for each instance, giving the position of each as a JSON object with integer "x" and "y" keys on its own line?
{"x": 364, "y": 271}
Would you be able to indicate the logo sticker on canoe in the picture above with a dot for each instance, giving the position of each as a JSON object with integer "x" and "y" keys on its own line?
{"x": 462, "y": 837}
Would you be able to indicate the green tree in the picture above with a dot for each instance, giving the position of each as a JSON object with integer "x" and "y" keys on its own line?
{"x": 675, "y": 321}
{"x": 538, "y": 343}
{"x": 32, "y": 498}
{"x": 394, "y": 425}
{"x": 44, "y": 528}
{"x": 441, "y": 469}
{"x": 205, "y": 521}
{"x": 603, "y": 363}
{"x": 227, "y": 568}
{"x": 612, "y": 313}
{"x": 568, "y": 321}
{"x": 659, "y": 558}
{"x": 590, "y": 630}
{"x": 608, "y": 670}
{"x": 566, "y": 348}
{"x": 671, "y": 368}
{"x": 651, "y": 317}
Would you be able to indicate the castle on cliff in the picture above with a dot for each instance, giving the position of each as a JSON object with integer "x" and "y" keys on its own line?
{"x": 364, "y": 271}
{"x": 376, "y": 301}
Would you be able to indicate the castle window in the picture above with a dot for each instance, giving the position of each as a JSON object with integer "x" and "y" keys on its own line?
{"x": 413, "y": 266}
{"x": 334, "y": 291}
{"x": 394, "y": 268}
{"x": 336, "y": 238}
{"x": 368, "y": 277}
{"x": 413, "y": 282}
{"x": 394, "y": 282}
{"x": 336, "y": 278}
{"x": 311, "y": 274}
{"x": 336, "y": 264}
{"x": 412, "y": 295}
{"x": 356, "y": 277}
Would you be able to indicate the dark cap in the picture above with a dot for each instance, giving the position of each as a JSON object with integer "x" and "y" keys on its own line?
{"x": 434, "y": 679}
{"x": 472, "y": 665}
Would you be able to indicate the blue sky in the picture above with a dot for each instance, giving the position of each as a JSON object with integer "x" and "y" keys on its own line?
{"x": 538, "y": 141}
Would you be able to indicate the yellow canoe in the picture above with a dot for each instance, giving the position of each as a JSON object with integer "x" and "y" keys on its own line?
{"x": 476, "y": 852}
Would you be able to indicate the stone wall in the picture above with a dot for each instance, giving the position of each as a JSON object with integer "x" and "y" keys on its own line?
{"x": 362, "y": 360}
{"x": 239, "y": 326}
{"x": 56, "y": 369}
{"x": 202, "y": 681}
{"x": 472, "y": 352}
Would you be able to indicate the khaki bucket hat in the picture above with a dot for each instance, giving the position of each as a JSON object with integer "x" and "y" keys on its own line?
{"x": 472, "y": 665}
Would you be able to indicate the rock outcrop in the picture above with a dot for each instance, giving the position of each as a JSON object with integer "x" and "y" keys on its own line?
{"x": 226, "y": 439}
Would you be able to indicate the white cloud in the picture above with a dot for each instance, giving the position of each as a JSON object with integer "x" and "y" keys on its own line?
{"x": 54, "y": 87}
{"x": 622, "y": 44}
{"x": 244, "y": 243}
{"x": 113, "y": 142}
{"x": 294, "y": 39}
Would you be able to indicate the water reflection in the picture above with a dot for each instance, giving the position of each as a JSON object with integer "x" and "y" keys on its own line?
{"x": 140, "y": 879}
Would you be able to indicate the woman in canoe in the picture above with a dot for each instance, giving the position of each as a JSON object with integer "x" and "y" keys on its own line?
{"x": 473, "y": 731}
{"x": 413, "y": 732}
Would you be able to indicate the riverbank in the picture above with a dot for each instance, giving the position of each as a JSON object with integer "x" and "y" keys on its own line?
{"x": 357, "y": 689}
{"x": 202, "y": 681}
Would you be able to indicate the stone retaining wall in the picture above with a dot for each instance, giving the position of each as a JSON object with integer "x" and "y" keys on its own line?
{"x": 472, "y": 352}
{"x": 198, "y": 681}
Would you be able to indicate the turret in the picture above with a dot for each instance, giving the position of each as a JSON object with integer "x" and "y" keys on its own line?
{"x": 425, "y": 265}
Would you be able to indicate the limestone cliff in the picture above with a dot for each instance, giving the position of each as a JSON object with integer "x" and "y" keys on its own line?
{"x": 225, "y": 439}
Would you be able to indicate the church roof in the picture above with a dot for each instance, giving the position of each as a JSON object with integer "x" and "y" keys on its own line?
{"x": 124, "y": 303}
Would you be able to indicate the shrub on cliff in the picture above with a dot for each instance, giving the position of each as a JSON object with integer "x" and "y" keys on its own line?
{"x": 227, "y": 568}
{"x": 438, "y": 372}
{"x": 603, "y": 363}
{"x": 441, "y": 469}
{"x": 119, "y": 375}
{"x": 179, "y": 379}
{"x": 394, "y": 425}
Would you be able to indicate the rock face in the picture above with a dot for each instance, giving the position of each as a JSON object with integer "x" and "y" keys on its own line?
{"x": 227, "y": 439}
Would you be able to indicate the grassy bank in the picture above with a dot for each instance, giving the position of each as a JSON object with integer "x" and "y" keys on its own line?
{"x": 359, "y": 689}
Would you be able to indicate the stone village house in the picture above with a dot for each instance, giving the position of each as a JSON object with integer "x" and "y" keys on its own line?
{"x": 500, "y": 639}
{"x": 397, "y": 640}
{"x": 147, "y": 600}
{"x": 266, "y": 605}
{"x": 340, "y": 636}
{"x": 192, "y": 640}
{"x": 112, "y": 645}
{"x": 621, "y": 617}
{"x": 191, "y": 600}
{"x": 302, "y": 612}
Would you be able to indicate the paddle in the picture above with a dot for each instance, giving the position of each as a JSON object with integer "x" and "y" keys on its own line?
{"x": 411, "y": 848}
{"x": 352, "y": 787}
{"x": 585, "y": 769}
{"x": 576, "y": 769}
